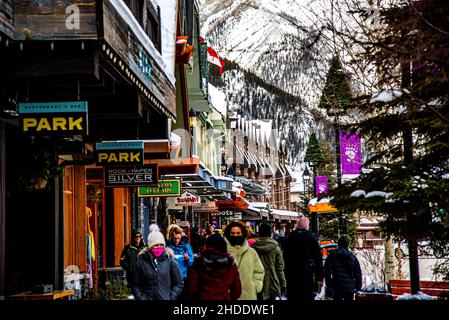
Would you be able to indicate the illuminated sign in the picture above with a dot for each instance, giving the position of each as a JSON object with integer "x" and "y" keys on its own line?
{"x": 119, "y": 153}
{"x": 53, "y": 118}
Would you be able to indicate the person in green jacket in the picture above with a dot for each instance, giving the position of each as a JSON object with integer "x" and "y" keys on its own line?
{"x": 274, "y": 284}
{"x": 129, "y": 254}
{"x": 248, "y": 262}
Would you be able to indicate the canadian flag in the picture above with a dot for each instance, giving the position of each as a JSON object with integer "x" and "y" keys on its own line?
{"x": 213, "y": 58}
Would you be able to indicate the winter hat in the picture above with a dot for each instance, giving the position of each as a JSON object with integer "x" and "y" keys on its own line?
{"x": 344, "y": 241}
{"x": 264, "y": 230}
{"x": 303, "y": 223}
{"x": 136, "y": 232}
{"x": 217, "y": 242}
{"x": 155, "y": 236}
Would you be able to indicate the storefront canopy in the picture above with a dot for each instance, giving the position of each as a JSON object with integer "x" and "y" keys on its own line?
{"x": 284, "y": 215}
{"x": 204, "y": 183}
{"x": 321, "y": 206}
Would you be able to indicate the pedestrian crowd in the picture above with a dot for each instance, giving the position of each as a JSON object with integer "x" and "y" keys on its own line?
{"x": 234, "y": 264}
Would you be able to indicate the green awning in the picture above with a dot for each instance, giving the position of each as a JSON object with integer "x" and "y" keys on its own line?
{"x": 197, "y": 101}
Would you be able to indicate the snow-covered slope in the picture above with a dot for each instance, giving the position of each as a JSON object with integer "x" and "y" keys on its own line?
{"x": 277, "y": 67}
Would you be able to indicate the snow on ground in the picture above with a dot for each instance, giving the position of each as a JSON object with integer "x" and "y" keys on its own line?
{"x": 419, "y": 296}
{"x": 372, "y": 265}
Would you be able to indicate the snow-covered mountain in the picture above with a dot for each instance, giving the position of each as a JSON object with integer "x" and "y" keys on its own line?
{"x": 276, "y": 64}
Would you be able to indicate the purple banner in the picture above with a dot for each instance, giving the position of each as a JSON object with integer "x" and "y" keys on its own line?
{"x": 351, "y": 153}
{"x": 321, "y": 185}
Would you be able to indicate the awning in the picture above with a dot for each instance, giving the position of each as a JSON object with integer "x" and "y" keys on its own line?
{"x": 237, "y": 203}
{"x": 251, "y": 186}
{"x": 284, "y": 215}
{"x": 204, "y": 183}
{"x": 321, "y": 206}
{"x": 263, "y": 212}
{"x": 175, "y": 167}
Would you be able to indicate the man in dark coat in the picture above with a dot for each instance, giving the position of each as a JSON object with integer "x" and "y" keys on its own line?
{"x": 342, "y": 272}
{"x": 128, "y": 257}
{"x": 270, "y": 254}
{"x": 304, "y": 269}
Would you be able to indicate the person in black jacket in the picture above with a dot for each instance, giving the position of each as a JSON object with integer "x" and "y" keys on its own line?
{"x": 128, "y": 257}
{"x": 156, "y": 275}
{"x": 304, "y": 265}
{"x": 342, "y": 272}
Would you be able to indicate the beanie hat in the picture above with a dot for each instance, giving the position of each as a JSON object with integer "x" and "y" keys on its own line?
{"x": 344, "y": 241}
{"x": 303, "y": 223}
{"x": 217, "y": 242}
{"x": 264, "y": 230}
{"x": 136, "y": 232}
{"x": 155, "y": 236}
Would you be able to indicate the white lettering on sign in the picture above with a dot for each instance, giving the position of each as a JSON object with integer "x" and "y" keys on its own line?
{"x": 224, "y": 213}
{"x": 186, "y": 199}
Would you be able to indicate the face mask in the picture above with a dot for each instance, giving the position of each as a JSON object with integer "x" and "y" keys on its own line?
{"x": 236, "y": 241}
{"x": 157, "y": 251}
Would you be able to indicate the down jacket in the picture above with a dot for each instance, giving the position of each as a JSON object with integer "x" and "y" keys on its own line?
{"x": 342, "y": 273}
{"x": 250, "y": 269}
{"x": 157, "y": 278}
{"x": 179, "y": 250}
{"x": 214, "y": 276}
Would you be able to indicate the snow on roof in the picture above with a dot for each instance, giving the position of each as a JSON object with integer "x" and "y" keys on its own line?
{"x": 386, "y": 95}
{"x": 217, "y": 99}
{"x": 314, "y": 201}
{"x": 286, "y": 213}
{"x": 168, "y": 34}
{"x": 290, "y": 173}
{"x": 262, "y": 205}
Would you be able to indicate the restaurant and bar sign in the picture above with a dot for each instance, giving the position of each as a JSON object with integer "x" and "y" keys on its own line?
{"x": 131, "y": 176}
{"x": 117, "y": 153}
{"x": 188, "y": 199}
{"x": 53, "y": 118}
{"x": 164, "y": 188}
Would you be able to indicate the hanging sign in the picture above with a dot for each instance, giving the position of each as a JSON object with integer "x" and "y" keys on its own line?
{"x": 188, "y": 199}
{"x": 164, "y": 188}
{"x": 53, "y": 118}
{"x": 321, "y": 185}
{"x": 351, "y": 153}
{"x": 131, "y": 176}
{"x": 209, "y": 207}
{"x": 224, "y": 212}
{"x": 117, "y": 153}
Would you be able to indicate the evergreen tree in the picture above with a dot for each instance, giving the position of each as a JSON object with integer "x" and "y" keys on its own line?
{"x": 337, "y": 94}
{"x": 314, "y": 153}
{"x": 407, "y": 125}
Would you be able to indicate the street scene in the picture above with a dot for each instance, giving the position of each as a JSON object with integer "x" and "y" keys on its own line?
{"x": 246, "y": 150}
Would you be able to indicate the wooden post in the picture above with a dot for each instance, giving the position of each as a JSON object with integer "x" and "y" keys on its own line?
{"x": 389, "y": 260}
{"x": 2, "y": 209}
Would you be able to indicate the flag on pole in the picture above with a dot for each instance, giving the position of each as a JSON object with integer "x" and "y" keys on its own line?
{"x": 215, "y": 59}
{"x": 321, "y": 185}
{"x": 351, "y": 153}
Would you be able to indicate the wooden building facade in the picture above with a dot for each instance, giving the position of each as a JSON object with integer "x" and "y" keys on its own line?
{"x": 109, "y": 57}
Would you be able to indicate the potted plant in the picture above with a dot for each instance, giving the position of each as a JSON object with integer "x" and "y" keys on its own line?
{"x": 41, "y": 167}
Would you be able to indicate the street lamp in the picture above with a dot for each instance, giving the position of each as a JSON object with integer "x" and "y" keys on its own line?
{"x": 305, "y": 178}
